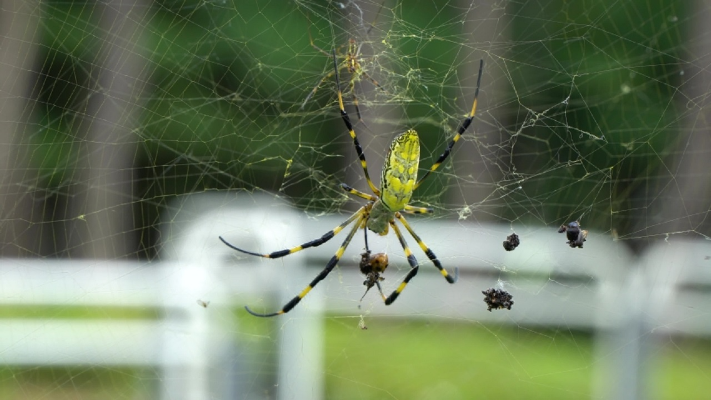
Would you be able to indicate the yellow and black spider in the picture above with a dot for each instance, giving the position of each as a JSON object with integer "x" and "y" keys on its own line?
{"x": 398, "y": 181}
{"x": 352, "y": 63}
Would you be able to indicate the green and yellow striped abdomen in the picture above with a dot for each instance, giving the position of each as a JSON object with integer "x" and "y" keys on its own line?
{"x": 400, "y": 171}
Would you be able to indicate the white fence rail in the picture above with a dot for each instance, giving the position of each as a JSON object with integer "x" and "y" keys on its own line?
{"x": 602, "y": 287}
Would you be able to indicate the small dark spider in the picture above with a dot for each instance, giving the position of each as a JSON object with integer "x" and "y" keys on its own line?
{"x": 512, "y": 241}
{"x": 497, "y": 299}
{"x": 372, "y": 266}
{"x": 575, "y": 235}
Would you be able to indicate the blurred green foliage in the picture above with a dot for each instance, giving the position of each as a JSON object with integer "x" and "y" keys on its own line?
{"x": 589, "y": 112}
{"x": 607, "y": 75}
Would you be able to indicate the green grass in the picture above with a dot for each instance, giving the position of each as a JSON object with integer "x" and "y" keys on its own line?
{"x": 79, "y": 312}
{"x": 404, "y": 359}
{"x": 681, "y": 368}
{"x": 78, "y": 382}
{"x": 400, "y": 359}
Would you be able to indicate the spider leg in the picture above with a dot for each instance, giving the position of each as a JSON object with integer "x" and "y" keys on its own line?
{"x": 330, "y": 74}
{"x": 428, "y": 252}
{"x": 311, "y": 39}
{"x": 329, "y": 267}
{"x": 357, "y": 73}
{"x": 410, "y": 259}
{"x": 355, "y": 99}
{"x": 463, "y": 127}
{"x": 380, "y": 289}
{"x": 357, "y": 54}
{"x": 365, "y": 239}
{"x": 373, "y": 277}
{"x": 314, "y": 243}
{"x": 373, "y": 81}
{"x": 353, "y": 92}
{"x": 349, "y": 126}
{"x": 313, "y": 91}
{"x": 358, "y": 193}
{"x": 417, "y": 210}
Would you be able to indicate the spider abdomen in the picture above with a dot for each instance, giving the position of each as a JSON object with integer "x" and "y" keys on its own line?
{"x": 400, "y": 171}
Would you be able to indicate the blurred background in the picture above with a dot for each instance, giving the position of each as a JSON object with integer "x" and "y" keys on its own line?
{"x": 136, "y": 132}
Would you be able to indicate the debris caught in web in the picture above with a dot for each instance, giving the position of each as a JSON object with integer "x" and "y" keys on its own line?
{"x": 497, "y": 299}
{"x": 575, "y": 235}
{"x": 512, "y": 241}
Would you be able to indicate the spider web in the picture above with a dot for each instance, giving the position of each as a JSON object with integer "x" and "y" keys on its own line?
{"x": 126, "y": 121}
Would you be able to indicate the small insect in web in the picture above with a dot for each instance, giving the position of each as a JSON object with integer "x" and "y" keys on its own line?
{"x": 372, "y": 266}
{"x": 497, "y": 299}
{"x": 352, "y": 62}
{"x": 383, "y": 209}
{"x": 576, "y": 236}
{"x": 203, "y": 303}
{"x": 512, "y": 241}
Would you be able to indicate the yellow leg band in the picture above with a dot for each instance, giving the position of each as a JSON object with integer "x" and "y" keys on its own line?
{"x": 304, "y": 292}
{"x": 401, "y": 287}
